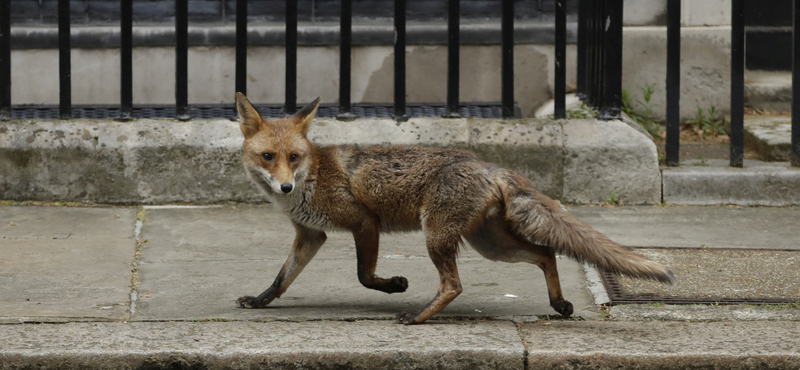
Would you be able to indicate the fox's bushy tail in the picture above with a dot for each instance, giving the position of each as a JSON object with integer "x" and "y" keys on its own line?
{"x": 542, "y": 221}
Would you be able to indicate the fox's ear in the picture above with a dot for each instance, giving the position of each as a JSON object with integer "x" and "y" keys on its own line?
{"x": 304, "y": 116}
{"x": 249, "y": 118}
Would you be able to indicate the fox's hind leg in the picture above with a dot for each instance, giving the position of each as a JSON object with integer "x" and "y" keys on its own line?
{"x": 443, "y": 253}
{"x": 366, "y": 238}
{"x": 545, "y": 258}
{"x": 495, "y": 242}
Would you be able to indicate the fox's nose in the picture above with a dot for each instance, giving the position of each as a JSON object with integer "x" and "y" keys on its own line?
{"x": 286, "y": 188}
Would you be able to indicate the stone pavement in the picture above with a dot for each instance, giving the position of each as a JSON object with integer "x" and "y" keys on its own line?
{"x": 154, "y": 288}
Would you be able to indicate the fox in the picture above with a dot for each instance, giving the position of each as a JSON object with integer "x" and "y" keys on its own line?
{"x": 450, "y": 194}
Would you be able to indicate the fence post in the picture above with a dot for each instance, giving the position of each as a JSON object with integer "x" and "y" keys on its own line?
{"x": 400, "y": 61}
{"x": 290, "y": 104}
{"x": 64, "y": 65}
{"x": 241, "y": 47}
{"x": 182, "y": 60}
{"x": 345, "y": 57}
{"x": 5, "y": 60}
{"x": 795, "y": 155}
{"x": 453, "y": 57}
{"x": 673, "y": 82}
{"x": 737, "y": 84}
{"x": 126, "y": 61}
{"x": 612, "y": 94}
{"x": 581, "y": 67}
{"x": 507, "y": 62}
{"x": 560, "y": 86}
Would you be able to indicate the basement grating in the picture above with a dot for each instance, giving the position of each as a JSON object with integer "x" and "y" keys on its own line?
{"x": 713, "y": 276}
{"x": 225, "y": 111}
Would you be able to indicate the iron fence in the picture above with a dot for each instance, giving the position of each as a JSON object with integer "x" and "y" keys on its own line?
{"x": 181, "y": 108}
{"x": 737, "y": 84}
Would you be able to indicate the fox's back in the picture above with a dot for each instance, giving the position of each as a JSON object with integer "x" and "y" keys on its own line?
{"x": 394, "y": 181}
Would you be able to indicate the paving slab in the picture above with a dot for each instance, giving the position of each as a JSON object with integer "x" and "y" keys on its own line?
{"x": 705, "y": 313}
{"x": 684, "y": 226}
{"x": 63, "y": 264}
{"x": 721, "y": 275}
{"x": 273, "y": 345}
{"x": 662, "y": 345}
{"x": 768, "y": 90}
{"x": 197, "y": 262}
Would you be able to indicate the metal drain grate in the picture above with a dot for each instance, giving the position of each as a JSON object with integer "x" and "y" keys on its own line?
{"x": 713, "y": 276}
{"x": 216, "y": 111}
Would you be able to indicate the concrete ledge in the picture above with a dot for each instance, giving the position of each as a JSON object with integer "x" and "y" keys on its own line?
{"x": 605, "y": 158}
{"x": 161, "y": 161}
{"x": 714, "y": 183}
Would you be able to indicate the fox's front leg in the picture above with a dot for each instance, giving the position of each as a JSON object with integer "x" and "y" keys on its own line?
{"x": 306, "y": 244}
{"x": 367, "y": 238}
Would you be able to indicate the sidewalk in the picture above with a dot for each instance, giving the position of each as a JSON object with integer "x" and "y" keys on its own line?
{"x": 155, "y": 288}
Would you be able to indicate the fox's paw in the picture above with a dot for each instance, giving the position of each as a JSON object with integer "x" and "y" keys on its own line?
{"x": 250, "y": 302}
{"x": 397, "y": 284}
{"x": 407, "y": 318}
{"x": 563, "y": 307}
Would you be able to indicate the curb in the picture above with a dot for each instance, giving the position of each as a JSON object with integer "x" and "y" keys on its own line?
{"x": 385, "y": 345}
{"x": 714, "y": 183}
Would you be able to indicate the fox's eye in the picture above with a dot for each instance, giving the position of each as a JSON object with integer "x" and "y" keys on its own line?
{"x": 267, "y": 156}
{"x": 293, "y": 158}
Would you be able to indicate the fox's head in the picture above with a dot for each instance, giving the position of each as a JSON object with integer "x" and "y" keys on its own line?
{"x": 276, "y": 152}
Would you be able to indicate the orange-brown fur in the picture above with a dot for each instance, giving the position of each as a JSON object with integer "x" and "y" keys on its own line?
{"x": 449, "y": 193}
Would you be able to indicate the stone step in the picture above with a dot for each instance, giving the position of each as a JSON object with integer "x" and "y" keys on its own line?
{"x": 770, "y": 136}
{"x": 768, "y": 90}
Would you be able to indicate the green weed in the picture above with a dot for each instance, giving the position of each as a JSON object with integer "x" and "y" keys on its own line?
{"x": 614, "y": 200}
{"x": 707, "y": 122}
{"x": 644, "y": 114}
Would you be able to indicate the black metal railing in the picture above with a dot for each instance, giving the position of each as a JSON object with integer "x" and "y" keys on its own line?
{"x": 599, "y": 56}
{"x": 737, "y": 85}
{"x": 181, "y": 12}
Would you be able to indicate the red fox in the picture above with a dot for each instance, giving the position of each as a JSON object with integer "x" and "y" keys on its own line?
{"x": 448, "y": 193}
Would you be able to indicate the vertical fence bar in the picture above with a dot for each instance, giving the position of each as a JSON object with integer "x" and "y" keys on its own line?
{"x": 126, "y": 61}
{"x": 64, "y": 65}
{"x": 453, "y": 57}
{"x": 400, "y": 60}
{"x": 5, "y": 60}
{"x": 290, "y": 101}
{"x": 737, "y": 84}
{"x": 182, "y": 59}
{"x": 795, "y": 155}
{"x": 345, "y": 55}
{"x": 560, "y": 86}
{"x": 241, "y": 47}
{"x": 673, "y": 82}
{"x": 612, "y": 65}
{"x": 581, "y": 67}
{"x": 507, "y": 62}
{"x": 595, "y": 53}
